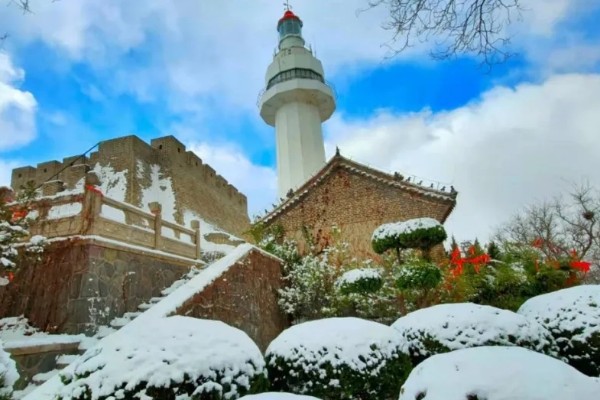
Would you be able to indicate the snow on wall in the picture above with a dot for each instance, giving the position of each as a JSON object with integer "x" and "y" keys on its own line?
{"x": 113, "y": 184}
{"x": 160, "y": 190}
{"x": 64, "y": 210}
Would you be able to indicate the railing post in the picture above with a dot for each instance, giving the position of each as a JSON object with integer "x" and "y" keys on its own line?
{"x": 92, "y": 202}
{"x": 156, "y": 209}
{"x": 198, "y": 238}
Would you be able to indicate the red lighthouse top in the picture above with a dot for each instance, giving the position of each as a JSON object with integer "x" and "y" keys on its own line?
{"x": 289, "y": 15}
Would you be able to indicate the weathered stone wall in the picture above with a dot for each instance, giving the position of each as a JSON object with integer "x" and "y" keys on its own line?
{"x": 245, "y": 297}
{"x": 197, "y": 186}
{"x": 357, "y": 205}
{"x": 81, "y": 284}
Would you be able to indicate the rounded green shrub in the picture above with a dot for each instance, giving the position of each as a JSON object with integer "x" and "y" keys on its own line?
{"x": 418, "y": 275}
{"x": 277, "y": 396}
{"x": 338, "y": 358}
{"x": 493, "y": 373}
{"x": 167, "y": 359}
{"x": 572, "y": 316}
{"x": 419, "y": 233}
{"x": 360, "y": 281}
{"x": 449, "y": 327}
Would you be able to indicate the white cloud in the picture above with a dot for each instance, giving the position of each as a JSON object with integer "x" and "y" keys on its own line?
{"x": 6, "y": 168}
{"x": 508, "y": 149}
{"x": 257, "y": 182}
{"x": 17, "y": 107}
{"x": 217, "y": 52}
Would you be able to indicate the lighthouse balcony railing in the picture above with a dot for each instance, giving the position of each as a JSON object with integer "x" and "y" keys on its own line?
{"x": 271, "y": 84}
{"x": 295, "y": 73}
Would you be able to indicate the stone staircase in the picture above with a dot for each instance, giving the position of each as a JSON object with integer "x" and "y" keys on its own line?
{"x": 63, "y": 360}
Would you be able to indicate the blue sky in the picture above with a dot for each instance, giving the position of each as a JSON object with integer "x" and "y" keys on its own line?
{"x": 79, "y": 71}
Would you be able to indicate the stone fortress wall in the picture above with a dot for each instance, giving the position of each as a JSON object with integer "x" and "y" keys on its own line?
{"x": 197, "y": 187}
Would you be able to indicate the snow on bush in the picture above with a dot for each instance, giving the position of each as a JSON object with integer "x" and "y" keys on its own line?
{"x": 419, "y": 233}
{"x": 167, "y": 357}
{"x": 360, "y": 280}
{"x": 277, "y": 396}
{"x": 8, "y": 374}
{"x": 497, "y": 373}
{"x": 418, "y": 275}
{"x": 448, "y": 327}
{"x": 338, "y": 358}
{"x": 10, "y": 234}
{"x": 573, "y": 318}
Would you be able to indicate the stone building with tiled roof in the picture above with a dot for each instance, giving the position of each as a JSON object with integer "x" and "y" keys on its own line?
{"x": 356, "y": 199}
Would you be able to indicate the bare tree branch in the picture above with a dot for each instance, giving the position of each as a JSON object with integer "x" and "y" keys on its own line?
{"x": 561, "y": 226}
{"x": 475, "y": 27}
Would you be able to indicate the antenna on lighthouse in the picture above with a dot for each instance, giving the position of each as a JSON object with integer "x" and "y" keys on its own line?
{"x": 287, "y": 5}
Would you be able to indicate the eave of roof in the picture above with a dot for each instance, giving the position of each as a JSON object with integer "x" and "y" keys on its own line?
{"x": 353, "y": 166}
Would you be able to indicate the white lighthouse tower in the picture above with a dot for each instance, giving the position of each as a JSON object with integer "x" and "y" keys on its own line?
{"x": 296, "y": 101}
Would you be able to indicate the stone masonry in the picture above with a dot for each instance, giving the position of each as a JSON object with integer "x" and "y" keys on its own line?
{"x": 197, "y": 187}
{"x": 82, "y": 284}
{"x": 356, "y": 199}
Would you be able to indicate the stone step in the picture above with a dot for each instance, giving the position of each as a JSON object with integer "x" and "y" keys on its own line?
{"x": 65, "y": 359}
{"x": 44, "y": 376}
{"x": 119, "y": 322}
{"x": 132, "y": 315}
{"x": 155, "y": 300}
{"x": 145, "y": 306}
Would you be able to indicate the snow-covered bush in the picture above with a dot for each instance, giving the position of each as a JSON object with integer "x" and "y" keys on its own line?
{"x": 573, "y": 317}
{"x": 418, "y": 275}
{"x": 8, "y": 374}
{"x": 277, "y": 396}
{"x": 309, "y": 292}
{"x": 338, "y": 358}
{"x": 360, "y": 281}
{"x": 497, "y": 373}
{"x": 168, "y": 357}
{"x": 419, "y": 233}
{"x": 448, "y": 327}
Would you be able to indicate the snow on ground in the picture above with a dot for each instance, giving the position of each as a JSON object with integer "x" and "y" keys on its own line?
{"x": 277, "y": 396}
{"x": 167, "y": 350}
{"x": 15, "y": 332}
{"x": 575, "y": 310}
{"x": 397, "y": 228}
{"x": 64, "y": 210}
{"x": 339, "y": 341}
{"x": 463, "y": 325}
{"x": 8, "y": 371}
{"x": 497, "y": 373}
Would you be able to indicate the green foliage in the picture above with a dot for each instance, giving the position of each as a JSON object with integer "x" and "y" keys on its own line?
{"x": 210, "y": 389}
{"x": 494, "y": 251}
{"x": 421, "y": 238}
{"x": 376, "y": 380}
{"x": 370, "y": 282}
{"x": 418, "y": 275}
{"x": 448, "y": 327}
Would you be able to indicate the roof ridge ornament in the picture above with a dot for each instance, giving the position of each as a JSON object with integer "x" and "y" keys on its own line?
{"x": 287, "y": 5}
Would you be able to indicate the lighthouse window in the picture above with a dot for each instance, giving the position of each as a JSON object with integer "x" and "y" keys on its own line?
{"x": 290, "y": 27}
{"x": 300, "y": 73}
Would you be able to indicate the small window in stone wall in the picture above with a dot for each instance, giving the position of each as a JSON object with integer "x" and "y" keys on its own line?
{"x": 160, "y": 147}
{"x": 45, "y": 170}
{"x": 178, "y": 150}
{"x": 20, "y": 175}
